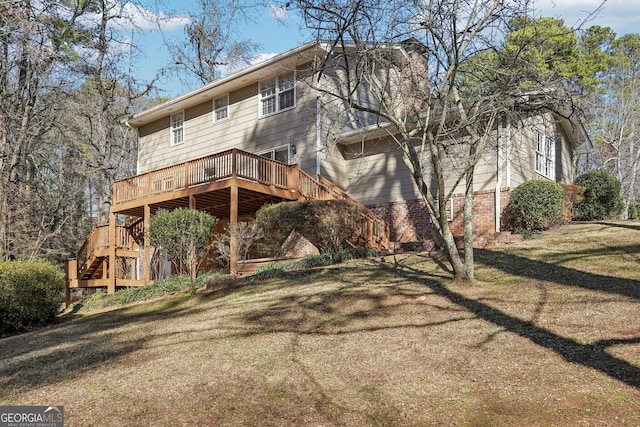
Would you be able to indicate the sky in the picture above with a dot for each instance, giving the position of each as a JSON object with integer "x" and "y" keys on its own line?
{"x": 278, "y": 31}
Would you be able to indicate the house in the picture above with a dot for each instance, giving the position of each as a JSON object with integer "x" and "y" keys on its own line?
{"x": 266, "y": 134}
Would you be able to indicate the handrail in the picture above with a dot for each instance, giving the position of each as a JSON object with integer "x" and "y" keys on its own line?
{"x": 232, "y": 163}
{"x": 98, "y": 239}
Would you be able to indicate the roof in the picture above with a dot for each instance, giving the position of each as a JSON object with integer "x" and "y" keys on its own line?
{"x": 254, "y": 73}
{"x": 224, "y": 85}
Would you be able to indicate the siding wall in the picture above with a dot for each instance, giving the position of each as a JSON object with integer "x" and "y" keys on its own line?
{"x": 243, "y": 129}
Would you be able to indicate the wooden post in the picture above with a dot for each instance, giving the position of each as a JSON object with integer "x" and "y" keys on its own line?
{"x": 233, "y": 242}
{"x": 146, "y": 248}
{"x": 111, "y": 284}
{"x": 294, "y": 179}
{"x": 67, "y": 290}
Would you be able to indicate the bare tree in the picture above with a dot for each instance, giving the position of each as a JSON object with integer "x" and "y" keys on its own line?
{"x": 102, "y": 102}
{"x": 616, "y": 118}
{"x": 441, "y": 131}
{"x": 36, "y": 41}
{"x": 212, "y": 42}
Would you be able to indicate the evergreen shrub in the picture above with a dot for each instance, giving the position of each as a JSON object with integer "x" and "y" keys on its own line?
{"x": 31, "y": 294}
{"x": 602, "y": 199}
{"x": 535, "y": 205}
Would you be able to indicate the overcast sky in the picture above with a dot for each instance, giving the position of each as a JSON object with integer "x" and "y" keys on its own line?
{"x": 278, "y": 32}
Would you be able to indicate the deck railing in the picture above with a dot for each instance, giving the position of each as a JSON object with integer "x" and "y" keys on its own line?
{"x": 216, "y": 167}
{"x": 98, "y": 240}
{"x": 236, "y": 163}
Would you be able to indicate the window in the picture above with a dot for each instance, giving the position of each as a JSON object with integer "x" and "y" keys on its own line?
{"x": 449, "y": 209}
{"x": 277, "y": 94}
{"x": 280, "y": 154}
{"x": 221, "y": 108}
{"x": 545, "y": 148}
{"x": 177, "y": 128}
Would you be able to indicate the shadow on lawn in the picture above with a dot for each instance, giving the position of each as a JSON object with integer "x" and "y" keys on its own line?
{"x": 591, "y": 355}
{"x": 540, "y": 270}
{"x": 631, "y": 225}
{"x": 61, "y": 352}
{"x": 314, "y": 314}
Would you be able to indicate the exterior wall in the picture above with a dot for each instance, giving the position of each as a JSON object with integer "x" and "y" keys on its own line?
{"x": 410, "y": 221}
{"x": 371, "y": 171}
{"x": 522, "y": 150}
{"x": 243, "y": 129}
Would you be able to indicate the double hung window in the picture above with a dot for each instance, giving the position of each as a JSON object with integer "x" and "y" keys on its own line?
{"x": 277, "y": 94}
{"x": 545, "y": 155}
{"x": 221, "y": 108}
{"x": 177, "y": 128}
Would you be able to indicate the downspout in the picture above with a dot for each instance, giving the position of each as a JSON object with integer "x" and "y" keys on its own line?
{"x": 508, "y": 154}
{"x": 498, "y": 176}
{"x": 145, "y": 247}
{"x": 318, "y": 129}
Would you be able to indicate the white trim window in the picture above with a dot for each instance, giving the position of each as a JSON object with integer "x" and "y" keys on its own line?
{"x": 281, "y": 154}
{"x": 449, "y": 209}
{"x": 221, "y": 108}
{"x": 177, "y": 128}
{"x": 277, "y": 94}
{"x": 545, "y": 155}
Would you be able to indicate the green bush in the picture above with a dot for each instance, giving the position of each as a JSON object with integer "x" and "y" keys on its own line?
{"x": 277, "y": 223}
{"x": 184, "y": 236}
{"x": 603, "y": 199}
{"x": 535, "y": 205}
{"x": 327, "y": 224}
{"x": 31, "y": 294}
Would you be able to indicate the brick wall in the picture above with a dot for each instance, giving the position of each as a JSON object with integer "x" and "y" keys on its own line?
{"x": 410, "y": 220}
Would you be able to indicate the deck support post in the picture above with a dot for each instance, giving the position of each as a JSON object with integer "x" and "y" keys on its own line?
{"x": 146, "y": 249}
{"x": 111, "y": 284}
{"x": 233, "y": 238}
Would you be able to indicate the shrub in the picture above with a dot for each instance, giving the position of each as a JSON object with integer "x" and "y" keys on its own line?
{"x": 328, "y": 224}
{"x": 184, "y": 235}
{"x": 603, "y": 199}
{"x": 31, "y": 294}
{"x": 535, "y": 205}
{"x": 276, "y": 224}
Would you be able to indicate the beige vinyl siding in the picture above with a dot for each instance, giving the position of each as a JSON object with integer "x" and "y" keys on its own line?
{"x": 564, "y": 157}
{"x": 372, "y": 174}
{"x": 243, "y": 129}
{"x": 375, "y": 173}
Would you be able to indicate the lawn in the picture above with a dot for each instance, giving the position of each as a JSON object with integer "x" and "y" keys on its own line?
{"x": 550, "y": 335}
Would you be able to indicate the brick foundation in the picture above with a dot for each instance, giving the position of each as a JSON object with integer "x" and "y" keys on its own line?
{"x": 410, "y": 221}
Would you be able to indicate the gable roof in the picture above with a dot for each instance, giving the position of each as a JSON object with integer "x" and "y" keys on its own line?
{"x": 254, "y": 73}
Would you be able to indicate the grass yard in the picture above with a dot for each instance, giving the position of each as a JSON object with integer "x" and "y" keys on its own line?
{"x": 550, "y": 336}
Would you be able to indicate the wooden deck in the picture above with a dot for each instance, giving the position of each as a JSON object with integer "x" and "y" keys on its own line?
{"x": 226, "y": 184}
